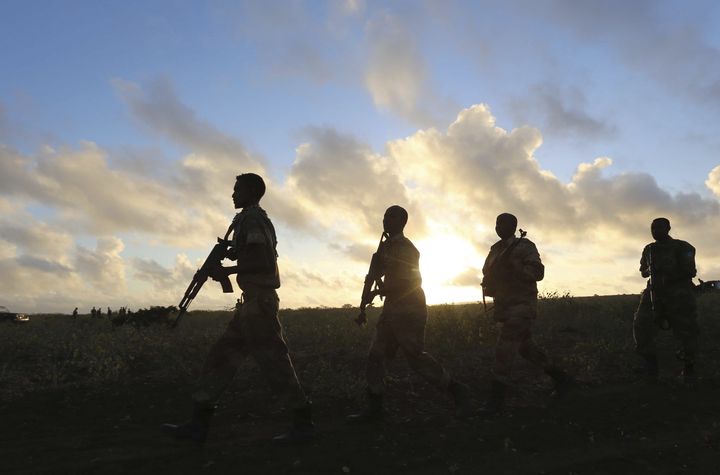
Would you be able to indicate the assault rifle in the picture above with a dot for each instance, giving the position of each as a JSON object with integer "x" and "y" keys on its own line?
{"x": 652, "y": 283}
{"x": 488, "y": 284}
{"x": 211, "y": 264}
{"x": 373, "y": 283}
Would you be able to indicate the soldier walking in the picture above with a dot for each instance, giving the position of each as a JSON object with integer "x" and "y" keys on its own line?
{"x": 668, "y": 301}
{"x": 510, "y": 275}
{"x": 255, "y": 329}
{"x": 402, "y": 321}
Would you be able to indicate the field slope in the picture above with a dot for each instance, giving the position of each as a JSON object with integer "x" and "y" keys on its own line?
{"x": 77, "y": 396}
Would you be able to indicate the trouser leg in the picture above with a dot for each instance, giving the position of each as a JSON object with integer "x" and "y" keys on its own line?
{"x": 513, "y": 334}
{"x": 410, "y": 333}
{"x": 280, "y": 374}
{"x": 383, "y": 348}
{"x": 644, "y": 327}
{"x": 685, "y": 330}
{"x": 220, "y": 366}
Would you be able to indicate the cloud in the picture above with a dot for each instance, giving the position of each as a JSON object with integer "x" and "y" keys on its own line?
{"x": 5, "y": 128}
{"x": 303, "y": 40}
{"x": 158, "y": 108}
{"x": 453, "y": 180}
{"x": 355, "y": 251}
{"x": 397, "y": 76}
{"x": 43, "y": 265}
{"x": 481, "y": 170}
{"x": 471, "y": 277}
{"x": 350, "y": 7}
{"x": 713, "y": 181}
{"x": 90, "y": 196}
{"x": 478, "y": 170}
{"x": 103, "y": 267}
{"x": 675, "y": 54}
{"x": 561, "y": 111}
{"x": 205, "y": 176}
{"x": 32, "y": 236}
{"x": 162, "y": 278}
{"x": 343, "y": 185}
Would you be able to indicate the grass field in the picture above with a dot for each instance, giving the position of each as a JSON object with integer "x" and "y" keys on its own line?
{"x": 77, "y": 396}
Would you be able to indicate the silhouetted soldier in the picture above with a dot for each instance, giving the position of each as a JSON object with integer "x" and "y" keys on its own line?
{"x": 402, "y": 321}
{"x": 109, "y": 313}
{"x": 669, "y": 298}
{"x": 255, "y": 329}
{"x": 510, "y": 275}
{"x": 93, "y": 312}
{"x": 75, "y": 313}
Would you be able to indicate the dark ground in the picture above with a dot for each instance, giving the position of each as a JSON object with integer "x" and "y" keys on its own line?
{"x": 81, "y": 397}
{"x": 629, "y": 428}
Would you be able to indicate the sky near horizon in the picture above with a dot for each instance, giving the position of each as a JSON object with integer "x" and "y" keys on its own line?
{"x": 124, "y": 124}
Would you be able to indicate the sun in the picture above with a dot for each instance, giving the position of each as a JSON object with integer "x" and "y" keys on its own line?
{"x": 443, "y": 258}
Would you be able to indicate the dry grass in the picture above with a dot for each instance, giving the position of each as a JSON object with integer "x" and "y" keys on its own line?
{"x": 592, "y": 335}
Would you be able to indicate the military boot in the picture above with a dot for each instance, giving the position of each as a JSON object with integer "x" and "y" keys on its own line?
{"x": 373, "y": 412}
{"x": 303, "y": 429}
{"x": 496, "y": 403}
{"x": 461, "y": 396}
{"x": 651, "y": 369}
{"x": 562, "y": 382}
{"x": 196, "y": 429}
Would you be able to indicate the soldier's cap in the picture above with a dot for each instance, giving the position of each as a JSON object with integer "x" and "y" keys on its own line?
{"x": 253, "y": 181}
{"x": 400, "y": 211}
{"x": 664, "y": 221}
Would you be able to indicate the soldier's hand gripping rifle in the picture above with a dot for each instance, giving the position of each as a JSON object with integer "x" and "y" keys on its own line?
{"x": 210, "y": 268}
{"x": 373, "y": 284}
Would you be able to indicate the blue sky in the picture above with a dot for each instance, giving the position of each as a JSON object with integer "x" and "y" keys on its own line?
{"x": 355, "y": 86}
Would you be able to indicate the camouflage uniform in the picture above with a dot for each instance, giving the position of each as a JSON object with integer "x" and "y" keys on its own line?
{"x": 510, "y": 277}
{"x": 673, "y": 264}
{"x": 402, "y": 322}
{"x": 255, "y": 329}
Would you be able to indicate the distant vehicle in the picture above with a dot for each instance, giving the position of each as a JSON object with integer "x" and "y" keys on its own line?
{"x": 8, "y": 316}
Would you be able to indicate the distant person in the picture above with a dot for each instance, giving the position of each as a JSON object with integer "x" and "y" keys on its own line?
{"x": 75, "y": 313}
{"x": 402, "y": 322}
{"x": 668, "y": 299}
{"x": 93, "y": 312}
{"x": 255, "y": 329}
{"x": 510, "y": 275}
{"x": 109, "y": 313}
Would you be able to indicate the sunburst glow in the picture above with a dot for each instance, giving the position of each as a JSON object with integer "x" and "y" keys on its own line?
{"x": 442, "y": 259}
